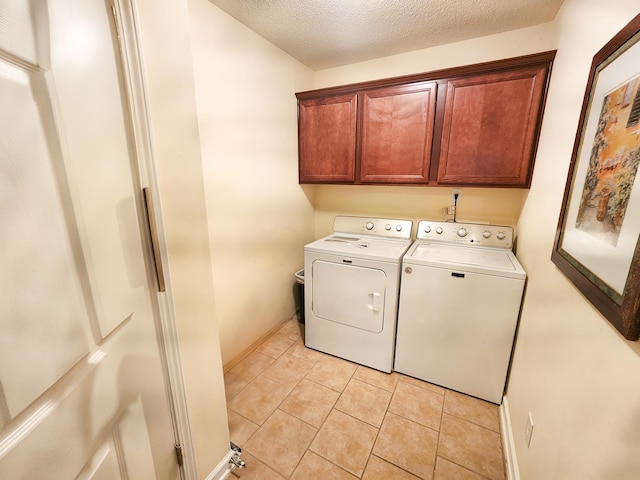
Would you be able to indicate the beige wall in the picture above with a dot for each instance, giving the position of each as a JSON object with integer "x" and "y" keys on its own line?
{"x": 492, "y": 205}
{"x": 497, "y": 206}
{"x": 483, "y": 49}
{"x": 259, "y": 217}
{"x": 574, "y": 373}
{"x": 164, "y": 27}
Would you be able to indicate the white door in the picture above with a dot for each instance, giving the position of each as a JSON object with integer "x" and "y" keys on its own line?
{"x": 82, "y": 382}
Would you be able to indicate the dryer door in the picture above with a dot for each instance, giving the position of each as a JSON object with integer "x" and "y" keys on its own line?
{"x": 348, "y": 294}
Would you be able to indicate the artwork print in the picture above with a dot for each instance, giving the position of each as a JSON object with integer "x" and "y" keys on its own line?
{"x": 597, "y": 243}
{"x": 613, "y": 164}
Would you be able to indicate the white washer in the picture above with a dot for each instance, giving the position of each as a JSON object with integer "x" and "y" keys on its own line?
{"x": 351, "y": 289}
{"x": 460, "y": 297}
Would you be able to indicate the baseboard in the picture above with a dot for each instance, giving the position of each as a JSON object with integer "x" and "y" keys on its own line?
{"x": 238, "y": 358}
{"x": 508, "y": 444}
{"x": 223, "y": 469}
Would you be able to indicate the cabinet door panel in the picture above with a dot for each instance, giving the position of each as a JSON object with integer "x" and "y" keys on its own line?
{"x": 489, "y": 131}
{"x": 397, "y": 126}
{"x": 327, "y": 139}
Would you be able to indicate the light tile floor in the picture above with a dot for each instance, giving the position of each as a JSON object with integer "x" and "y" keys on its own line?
{"x": 303, "y": 415}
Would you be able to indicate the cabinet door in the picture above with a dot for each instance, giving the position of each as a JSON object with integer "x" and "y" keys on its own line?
{"x": 490, "y": 128}
{"x": 327, "y": 139}
{"x": 397, "y": 133}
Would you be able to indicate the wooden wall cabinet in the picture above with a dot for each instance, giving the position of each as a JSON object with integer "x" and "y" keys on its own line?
{"x": 475, "y": 125}
{"x": 490, "y": 128}
{"x": 397, "y": 133}
{"x": 327, "y": 139}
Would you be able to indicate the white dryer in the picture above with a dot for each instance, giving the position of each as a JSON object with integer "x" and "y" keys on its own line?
{"x": 351, "y": 289}
{"x": 460, "y": 298}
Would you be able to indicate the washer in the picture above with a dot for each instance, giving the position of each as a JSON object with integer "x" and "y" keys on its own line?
{"x": 460, "y": 297}
{"x": 352, "y": 280}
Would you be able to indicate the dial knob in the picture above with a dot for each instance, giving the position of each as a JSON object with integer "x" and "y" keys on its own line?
{"x": 486, "y": 234}
{"x": 462, "y": 232}
{"x": 439, "y": 230}
{"x": 387, "y": 227}
{"x": 369, "y": 225}
{"x": 398, "y": 228}
{"x": 427, "y": 229}
{"x": 501, "y": 235}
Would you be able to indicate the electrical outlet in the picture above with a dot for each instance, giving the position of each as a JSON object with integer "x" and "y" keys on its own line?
{"x": 450, "y": 210}
{"x": 528, "y": 430}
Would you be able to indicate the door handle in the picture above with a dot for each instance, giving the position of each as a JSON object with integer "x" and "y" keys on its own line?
{"x": 376, "y": 301}
{"x": 153, "y": 232}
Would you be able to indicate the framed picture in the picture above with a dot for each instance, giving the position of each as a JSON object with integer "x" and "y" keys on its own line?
{"x": 596, "y": 243}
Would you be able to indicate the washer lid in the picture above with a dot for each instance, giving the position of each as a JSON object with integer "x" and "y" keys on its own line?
{"x": 475, "y": 259}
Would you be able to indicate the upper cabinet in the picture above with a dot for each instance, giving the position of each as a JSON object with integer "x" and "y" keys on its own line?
{"x": 490, "y": 128}
{"x": 476, "y": 125}
{"x": 327, "y": 139}
{"x": 397, "y": 133}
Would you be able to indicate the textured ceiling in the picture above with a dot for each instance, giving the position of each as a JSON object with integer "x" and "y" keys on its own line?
{"x": 329, "y": 33}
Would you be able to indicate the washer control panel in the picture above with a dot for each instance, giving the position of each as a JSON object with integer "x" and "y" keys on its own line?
{"x": 495, "y": 236}
{"x": 383, "y": 227}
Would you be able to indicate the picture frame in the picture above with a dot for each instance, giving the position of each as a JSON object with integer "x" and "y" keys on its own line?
{"x": 597, "y": 239}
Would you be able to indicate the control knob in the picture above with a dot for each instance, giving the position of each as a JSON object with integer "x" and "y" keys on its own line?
{"x": 439, "y": 230}
{"x": 501, "y": 235}
{"x": 427, "y": 229}
{"x": 369, "y": 225}
{"x": 387, "y": 227}
{"x": 486, "y": 234}
{"x": 398, "y": 228}
{"x": 462, "y": 232}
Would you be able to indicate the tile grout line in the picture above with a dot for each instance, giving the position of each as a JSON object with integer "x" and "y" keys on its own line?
{"x": 380, "y": 429}
{"x": 465, "y": 467}
{"x": 333, "y": 408}
{"x": 308, "y": 449}
{"x": 435, "y": 460}
{"x": 278, "y": 407}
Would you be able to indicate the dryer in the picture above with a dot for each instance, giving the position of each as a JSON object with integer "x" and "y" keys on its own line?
{"x": 351, "y": 289}
{"x": 460, "y": 298}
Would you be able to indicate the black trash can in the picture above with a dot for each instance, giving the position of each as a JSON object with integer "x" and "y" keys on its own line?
{"x": 300, "y": 294}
